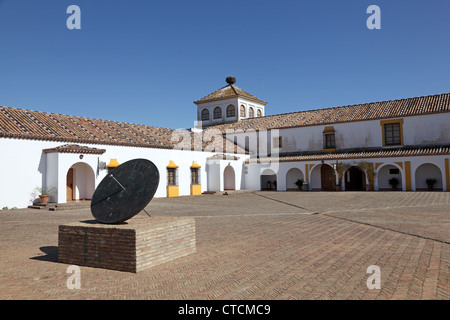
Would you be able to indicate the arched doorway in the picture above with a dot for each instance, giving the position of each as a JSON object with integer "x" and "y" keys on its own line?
{"x": 328, "y": 178}
{"x": 229, "y": 178}
{"x": 268, "y": 180}
{"x": 292, "y": 176}
{"x": 80, "y": 182}
{"x": 355, "y": 179}
{"x": 425, "y": 172}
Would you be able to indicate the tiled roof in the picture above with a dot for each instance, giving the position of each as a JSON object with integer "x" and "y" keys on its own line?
{"x": 74, "y": 148}
{"x": 35, "y": 125}
{"x": 368, "y": 153}
{"x": 229, "y": 91}
{"x": 359, "y": 112}
{"x": 223, "y": 157}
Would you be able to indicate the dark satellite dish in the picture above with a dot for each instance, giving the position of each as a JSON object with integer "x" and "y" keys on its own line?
{"x": 125, "y": 192}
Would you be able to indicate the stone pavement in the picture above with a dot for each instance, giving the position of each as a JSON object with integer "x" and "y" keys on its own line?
{"x": 262, "y": 245}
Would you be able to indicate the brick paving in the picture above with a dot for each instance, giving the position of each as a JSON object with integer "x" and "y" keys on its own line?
{"x": 262, "y": 245}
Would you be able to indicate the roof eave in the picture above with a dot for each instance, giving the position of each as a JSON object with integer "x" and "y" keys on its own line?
{"x": 231, "y": 97}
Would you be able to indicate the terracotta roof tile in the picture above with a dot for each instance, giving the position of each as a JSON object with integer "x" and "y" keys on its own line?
{"x": 362, "y": 112}
{"x": 229, "y": 91}
{"x": 27, "y": 124}
{"x": 73, "y": 148}
{"x": 368, "y": 153}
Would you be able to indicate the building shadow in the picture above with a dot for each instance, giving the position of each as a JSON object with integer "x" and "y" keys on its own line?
{"x": 50, "y": 254}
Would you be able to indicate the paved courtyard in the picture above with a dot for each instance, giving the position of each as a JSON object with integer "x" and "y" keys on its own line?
{"x": 261, "y": 245}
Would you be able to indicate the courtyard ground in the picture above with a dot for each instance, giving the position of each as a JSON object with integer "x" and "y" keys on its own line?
{"x": 258, "y": 245}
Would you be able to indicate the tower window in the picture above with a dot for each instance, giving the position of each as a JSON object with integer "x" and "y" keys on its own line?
{"x": 242, "y": 111}
{"x": 259, "y": 113}
{"x": 231, "y": 111}
{"x": 251, "y": 113}
{"x": 205, "y": 115}
{"x": 217, "y": 113}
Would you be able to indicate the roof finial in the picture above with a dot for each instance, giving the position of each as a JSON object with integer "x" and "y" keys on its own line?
{"x": 231, "y": 80}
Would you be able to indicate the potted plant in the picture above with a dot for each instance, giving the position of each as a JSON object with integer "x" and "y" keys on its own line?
{"x": 299, "y": 184}
{"x": 305, "y": 186}
{"x": 394, "y": 183}
{"x": 431, "y": 182}
{"x": 44, "y": 193}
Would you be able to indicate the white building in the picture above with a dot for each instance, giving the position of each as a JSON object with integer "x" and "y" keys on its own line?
{"x": 358, "y": 147}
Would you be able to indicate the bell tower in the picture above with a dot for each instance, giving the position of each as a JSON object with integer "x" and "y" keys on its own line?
{"x": 228, "y": 104}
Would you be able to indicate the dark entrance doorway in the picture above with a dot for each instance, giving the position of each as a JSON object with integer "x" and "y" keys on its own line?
{"x": 69, "y": 185}
{"x": 328, "y": 178}
{"x": 355, "y": 179}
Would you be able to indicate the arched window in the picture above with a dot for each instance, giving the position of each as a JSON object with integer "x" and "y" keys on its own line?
{"x": 231, "y": 111}
{"x": 242, "y": 111}
{"x": 205, "y": 115}
{"x": 259, "y": 113}
{"x": 217, "y": 113}
{"x": 251, "y": 113}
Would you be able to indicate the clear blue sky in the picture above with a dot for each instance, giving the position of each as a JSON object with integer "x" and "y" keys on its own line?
{"x": 146, "y": 61}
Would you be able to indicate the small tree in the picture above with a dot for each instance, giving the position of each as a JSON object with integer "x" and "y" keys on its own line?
{"x": 341, "y": 168}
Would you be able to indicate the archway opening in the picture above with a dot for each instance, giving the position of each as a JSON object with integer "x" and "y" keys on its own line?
{"x": 355, "y": 179}
{"x": 292, "y": 176}
{"x": 428, "y": 177}
{"x": 229, "y": 178}
{"x": 268, "y": 180}
{"x": 80, "y": 182}
{"x": 389, "y": 178}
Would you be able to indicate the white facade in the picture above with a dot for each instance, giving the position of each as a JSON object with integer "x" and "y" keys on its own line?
{"x": 24, "y": 166}
{"x": 252, "y": 110}
{"x": 286, "y": 173}
{"x": 417, "y": 130}
{"x": 360, "y": 157}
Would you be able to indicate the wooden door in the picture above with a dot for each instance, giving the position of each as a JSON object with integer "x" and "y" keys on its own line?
{"x": 328, "y": 178}
{"x": 229, "y": 178}
{"x": 70, "y": 185}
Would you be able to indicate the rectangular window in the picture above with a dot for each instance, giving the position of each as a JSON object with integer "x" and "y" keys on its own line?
{"x": 195, "y": 176}
{"x": 329, "y": 141}
{"x": 171, "y": 176}
{"x": 392, "y": 134}
{"x": 394, "y": 171}
{"x": 277, "y": 142}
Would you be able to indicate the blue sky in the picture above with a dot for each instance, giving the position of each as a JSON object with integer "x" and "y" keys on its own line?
{"x": 146, "y": 61}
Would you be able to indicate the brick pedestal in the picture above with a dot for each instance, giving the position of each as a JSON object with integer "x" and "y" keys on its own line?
{"x": 138, "y": 244}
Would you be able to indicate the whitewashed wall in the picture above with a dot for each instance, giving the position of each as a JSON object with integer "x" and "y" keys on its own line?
{"x": 223, "y": 104}
{"x": 24, "y": 166}
{"x": 253, "y": 178}
{"x": 417, "y": 130}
